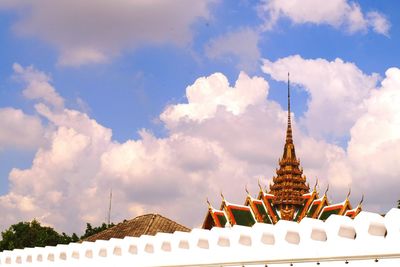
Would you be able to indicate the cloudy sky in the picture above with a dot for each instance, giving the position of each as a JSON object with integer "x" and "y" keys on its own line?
{"x": 170, "y": 102}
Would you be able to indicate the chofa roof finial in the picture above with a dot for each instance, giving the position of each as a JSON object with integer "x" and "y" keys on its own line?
{"x": 209, "y": 204}
{"x": 348, "y": 194}
{"x": 362, "y": 200}
{"x": 316, "y": 184}
{"x": 259, "y": 184}
{"x": 327, "y": 188}
{"x": 223, "y": 198}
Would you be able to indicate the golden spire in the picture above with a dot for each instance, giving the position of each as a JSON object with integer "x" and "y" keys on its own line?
{"x": 289, "y": 136}
{"x": 289, "y": 185}
{"x": 289, "y": 151}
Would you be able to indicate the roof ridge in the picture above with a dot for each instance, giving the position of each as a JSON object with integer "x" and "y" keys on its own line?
{"x": 150, "y": 224}
{"x": 147, "y": 222}
{"x": 170, "y": 220}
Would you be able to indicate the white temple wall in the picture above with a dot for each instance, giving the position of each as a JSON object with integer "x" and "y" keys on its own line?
{"x": 368, "y": 240}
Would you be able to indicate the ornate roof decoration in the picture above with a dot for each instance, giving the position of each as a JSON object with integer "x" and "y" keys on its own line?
{"x": 259, "y": 209}
{"x": 339, "y": 209}
{"x": 289, "y": 183}
{"x": 289, "y": 196}
{"x": 215, "y": 218}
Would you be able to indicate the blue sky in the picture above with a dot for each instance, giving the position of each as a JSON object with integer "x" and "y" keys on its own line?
{"x": 97, "y": 95}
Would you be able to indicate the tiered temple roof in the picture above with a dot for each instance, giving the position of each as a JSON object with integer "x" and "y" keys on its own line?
{"x": 289, "y": 183}
{"x": 289, "y": 197}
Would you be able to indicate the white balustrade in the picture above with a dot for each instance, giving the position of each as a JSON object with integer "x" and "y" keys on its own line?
{"x": 368, "y": 240}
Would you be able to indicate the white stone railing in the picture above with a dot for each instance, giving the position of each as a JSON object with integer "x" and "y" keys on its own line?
{"x": 368, "y": 240}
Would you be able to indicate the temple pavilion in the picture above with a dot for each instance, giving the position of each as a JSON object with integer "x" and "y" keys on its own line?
{"x": 289, "y": 196}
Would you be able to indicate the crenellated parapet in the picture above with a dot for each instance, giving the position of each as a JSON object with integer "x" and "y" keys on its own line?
{"x": 367, "y": 240}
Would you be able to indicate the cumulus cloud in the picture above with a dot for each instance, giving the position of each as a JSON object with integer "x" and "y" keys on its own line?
{"x": 38, "y": 85}
{"x": 208, "y": 94}
{"x": 19, "y": 130}
{"x": 61, "y": 181}
{"x": 224, "y": 138}
{"x": 241, "y": 44}
{"x": 375, "y": 142}
{"x": 344, "y": 100}
{"x": 94, "y": 31}
{"x": 73, "y": 171}
{"x": 336, "y": 13}
{"x": 337, "y": 91}
{"x": 79, "y": 163}
{"x": 369, "y": 164}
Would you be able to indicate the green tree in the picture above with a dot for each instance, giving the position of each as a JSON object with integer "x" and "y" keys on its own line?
{"x": 32, "y": 234}
{"x": 90, "y": 230}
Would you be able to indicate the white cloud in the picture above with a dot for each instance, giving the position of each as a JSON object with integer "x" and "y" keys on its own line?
{"x": 94, "y": 31}
{"x": 337, "y": 92}
{"x": 370, "y": 164}
{"x": 38, "y": 85}
{"x": 242, "y": 44}
{"x": 378, "y": 22}
{"x": 337, "y": 13}
{"x": 19, "y": 130}
{"x": 224, "y": 138}
{"x": 208, "y": 94}
{"x": 82, "y": 55}
{"x": 62, "y": 177}
{"x": 375, "y": 139}
{"x": 345, "y": 100}
{"x": 72, "y": 173}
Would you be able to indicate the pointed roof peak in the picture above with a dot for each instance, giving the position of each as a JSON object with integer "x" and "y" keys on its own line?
{"x": 289, "y": 185}
{"x": 288, "y": 92}
{"x": 289, "y": 135}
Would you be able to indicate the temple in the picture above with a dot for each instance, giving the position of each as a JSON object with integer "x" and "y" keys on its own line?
{"x": 289, "y": 196}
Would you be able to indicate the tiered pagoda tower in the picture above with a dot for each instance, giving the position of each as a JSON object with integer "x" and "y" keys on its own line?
{"x": 289, "y": 196}
{"x": 289, "y": 183}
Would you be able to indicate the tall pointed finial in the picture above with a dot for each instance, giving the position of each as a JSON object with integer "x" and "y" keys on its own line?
{"x": 289, "y": 137}
{"x": 288, "y": 92}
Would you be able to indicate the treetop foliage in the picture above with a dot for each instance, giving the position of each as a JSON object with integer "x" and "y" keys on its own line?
{"x": 32, "y": 234}
{"x": 91, "y": 231}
